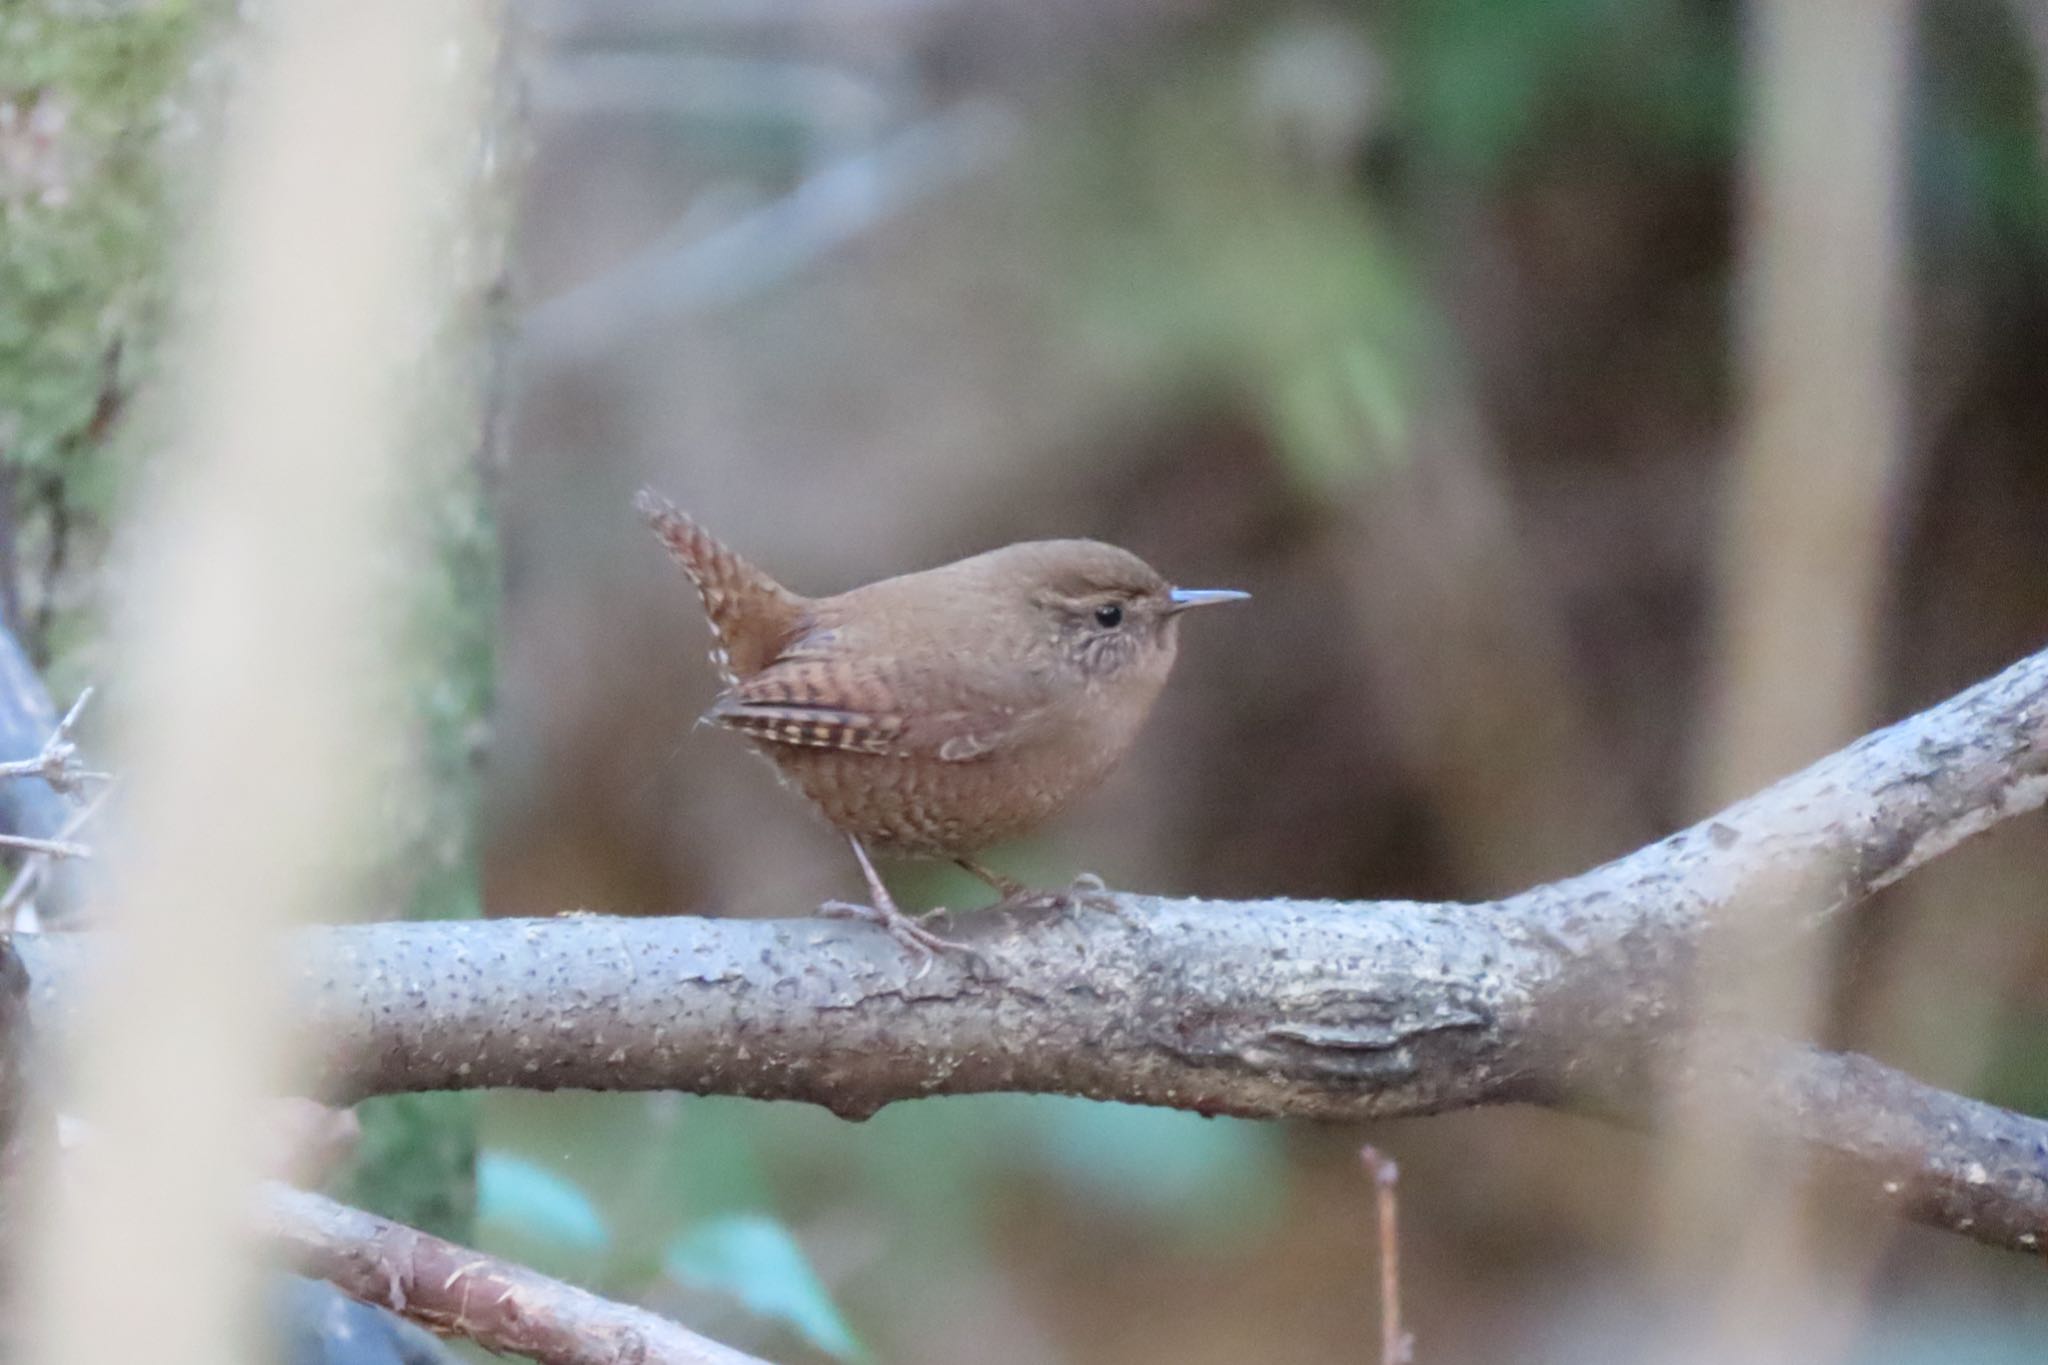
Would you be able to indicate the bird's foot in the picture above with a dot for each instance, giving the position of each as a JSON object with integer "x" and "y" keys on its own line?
{"x": 1086, "y": 891}
{"x": 1091, "y": 891}
{"x": 906, "y": 930}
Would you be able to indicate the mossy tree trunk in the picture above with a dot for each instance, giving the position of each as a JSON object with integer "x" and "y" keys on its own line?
{"x": 105, "y": 114}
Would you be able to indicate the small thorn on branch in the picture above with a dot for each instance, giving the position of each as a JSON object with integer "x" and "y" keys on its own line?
{"x": 15, "y": 910}
{"x": 1396, "y": 1346}
{"x": 58, "y": 764}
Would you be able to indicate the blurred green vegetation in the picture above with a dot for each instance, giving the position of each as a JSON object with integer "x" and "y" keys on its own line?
{"x": 1208, "y": 259}
{"x": 90, "y": 94}
{"x": 97, "y": 107}
{"x": 754, "y": 1259}
{"x": 617, "y": 1191}
{"x": 1487, "y": 85}
{"x": 1978, "y": 147}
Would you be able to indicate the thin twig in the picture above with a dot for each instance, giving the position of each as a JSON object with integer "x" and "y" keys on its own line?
{"x": 70, "y": 721}
{"x": 36, "y": 865}
{"x": 458, "y": 1292}
{"x": 58, "y": 764}
{"x": 56, "y": 848}
{"x": 1396, "y": 1346}
{"x": 832, "y": 207}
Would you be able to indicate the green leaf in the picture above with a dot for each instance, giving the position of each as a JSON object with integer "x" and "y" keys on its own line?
{"x": 754, "y": 1259}
{"x": 535, "y": 1203}
{"x": 1208, "y": 1176}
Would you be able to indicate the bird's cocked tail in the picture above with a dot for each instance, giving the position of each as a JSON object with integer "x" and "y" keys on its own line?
{"x": 751, "y": 615}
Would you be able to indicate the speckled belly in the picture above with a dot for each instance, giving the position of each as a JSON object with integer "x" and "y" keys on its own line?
{"x": 926, "y": 808}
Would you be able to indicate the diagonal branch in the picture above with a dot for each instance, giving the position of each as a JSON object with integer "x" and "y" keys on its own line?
{"x": 1568, "y": 994}
{"x": 458, "y": 1292}
{"x": 679, "y": 275}
{"x": 1928, "y": 1155}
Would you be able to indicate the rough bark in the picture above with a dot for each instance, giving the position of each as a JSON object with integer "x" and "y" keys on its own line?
{"x": 1567, "y": 994}
{"x": 463, "y": 1293}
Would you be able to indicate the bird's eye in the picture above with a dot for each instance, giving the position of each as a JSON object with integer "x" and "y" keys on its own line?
{"x": 1109, "y": 617}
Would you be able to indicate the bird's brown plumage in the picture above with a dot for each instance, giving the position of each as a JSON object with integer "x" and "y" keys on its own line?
{"x": 751, "y": 614}
{"x": 936, "y": 713}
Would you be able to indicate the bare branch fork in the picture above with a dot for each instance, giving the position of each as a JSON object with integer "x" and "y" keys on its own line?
{"x": 1568, "y": 994}
{"x": 59, "y": 765}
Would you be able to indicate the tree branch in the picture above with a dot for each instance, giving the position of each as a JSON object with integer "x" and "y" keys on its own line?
{"x": 831, "y": 207}
{"x": 1568, "y": 994}
{"x": 1929, "y": 1155}
{"x": 458, "y": 1292}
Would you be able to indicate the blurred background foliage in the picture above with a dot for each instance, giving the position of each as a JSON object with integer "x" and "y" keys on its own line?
{"x": 1415, "y": 317}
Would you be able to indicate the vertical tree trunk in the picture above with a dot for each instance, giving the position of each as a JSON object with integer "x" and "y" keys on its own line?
{"x": 102, "y": 112}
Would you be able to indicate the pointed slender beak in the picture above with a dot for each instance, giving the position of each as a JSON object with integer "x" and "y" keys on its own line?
{"x": 1183, "y": 598}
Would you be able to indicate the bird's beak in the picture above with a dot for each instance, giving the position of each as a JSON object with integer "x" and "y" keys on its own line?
{"x": 1183, "y": 598}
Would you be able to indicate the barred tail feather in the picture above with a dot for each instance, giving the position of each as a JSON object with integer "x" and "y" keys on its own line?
{"x": 751, "y": 614}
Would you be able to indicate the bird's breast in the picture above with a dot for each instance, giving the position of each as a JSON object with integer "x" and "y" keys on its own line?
{"x": 925, "y": 806}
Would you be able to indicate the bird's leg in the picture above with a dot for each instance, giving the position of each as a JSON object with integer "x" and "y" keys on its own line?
{"x": 882, "y": 910}
{"x": 1086, "y": 889}
{"x": 1010, "y": 889}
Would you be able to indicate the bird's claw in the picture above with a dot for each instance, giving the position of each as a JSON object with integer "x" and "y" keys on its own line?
{"x": 919, "y": 940}
{"x": 1086, "y": 891}
{"x": 1090, "y": 890}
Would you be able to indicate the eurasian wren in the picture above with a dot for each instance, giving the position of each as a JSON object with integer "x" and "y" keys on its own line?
{"x": 934, "y": 714}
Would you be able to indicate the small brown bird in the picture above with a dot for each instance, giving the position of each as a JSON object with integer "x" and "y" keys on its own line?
{"x": 934, "y": 714}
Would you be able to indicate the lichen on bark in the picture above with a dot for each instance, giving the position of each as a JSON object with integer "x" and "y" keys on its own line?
{"x": 94, "y": 100}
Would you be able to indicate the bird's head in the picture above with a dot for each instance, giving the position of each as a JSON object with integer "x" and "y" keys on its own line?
{"x": 1109, "y": 617}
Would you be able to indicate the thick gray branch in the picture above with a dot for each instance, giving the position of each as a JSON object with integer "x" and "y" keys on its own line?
{"x": 1276, "y": 1008}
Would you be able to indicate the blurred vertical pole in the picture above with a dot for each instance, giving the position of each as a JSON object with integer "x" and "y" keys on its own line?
{"x": 1805, "y": 548}
{"x": 256, "y": 641}
{"x": 1803, "y": 567}
{"x": 416, "y": 1162}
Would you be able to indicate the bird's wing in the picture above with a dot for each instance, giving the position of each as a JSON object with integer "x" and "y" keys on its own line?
{"x": 821, "y": 696}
